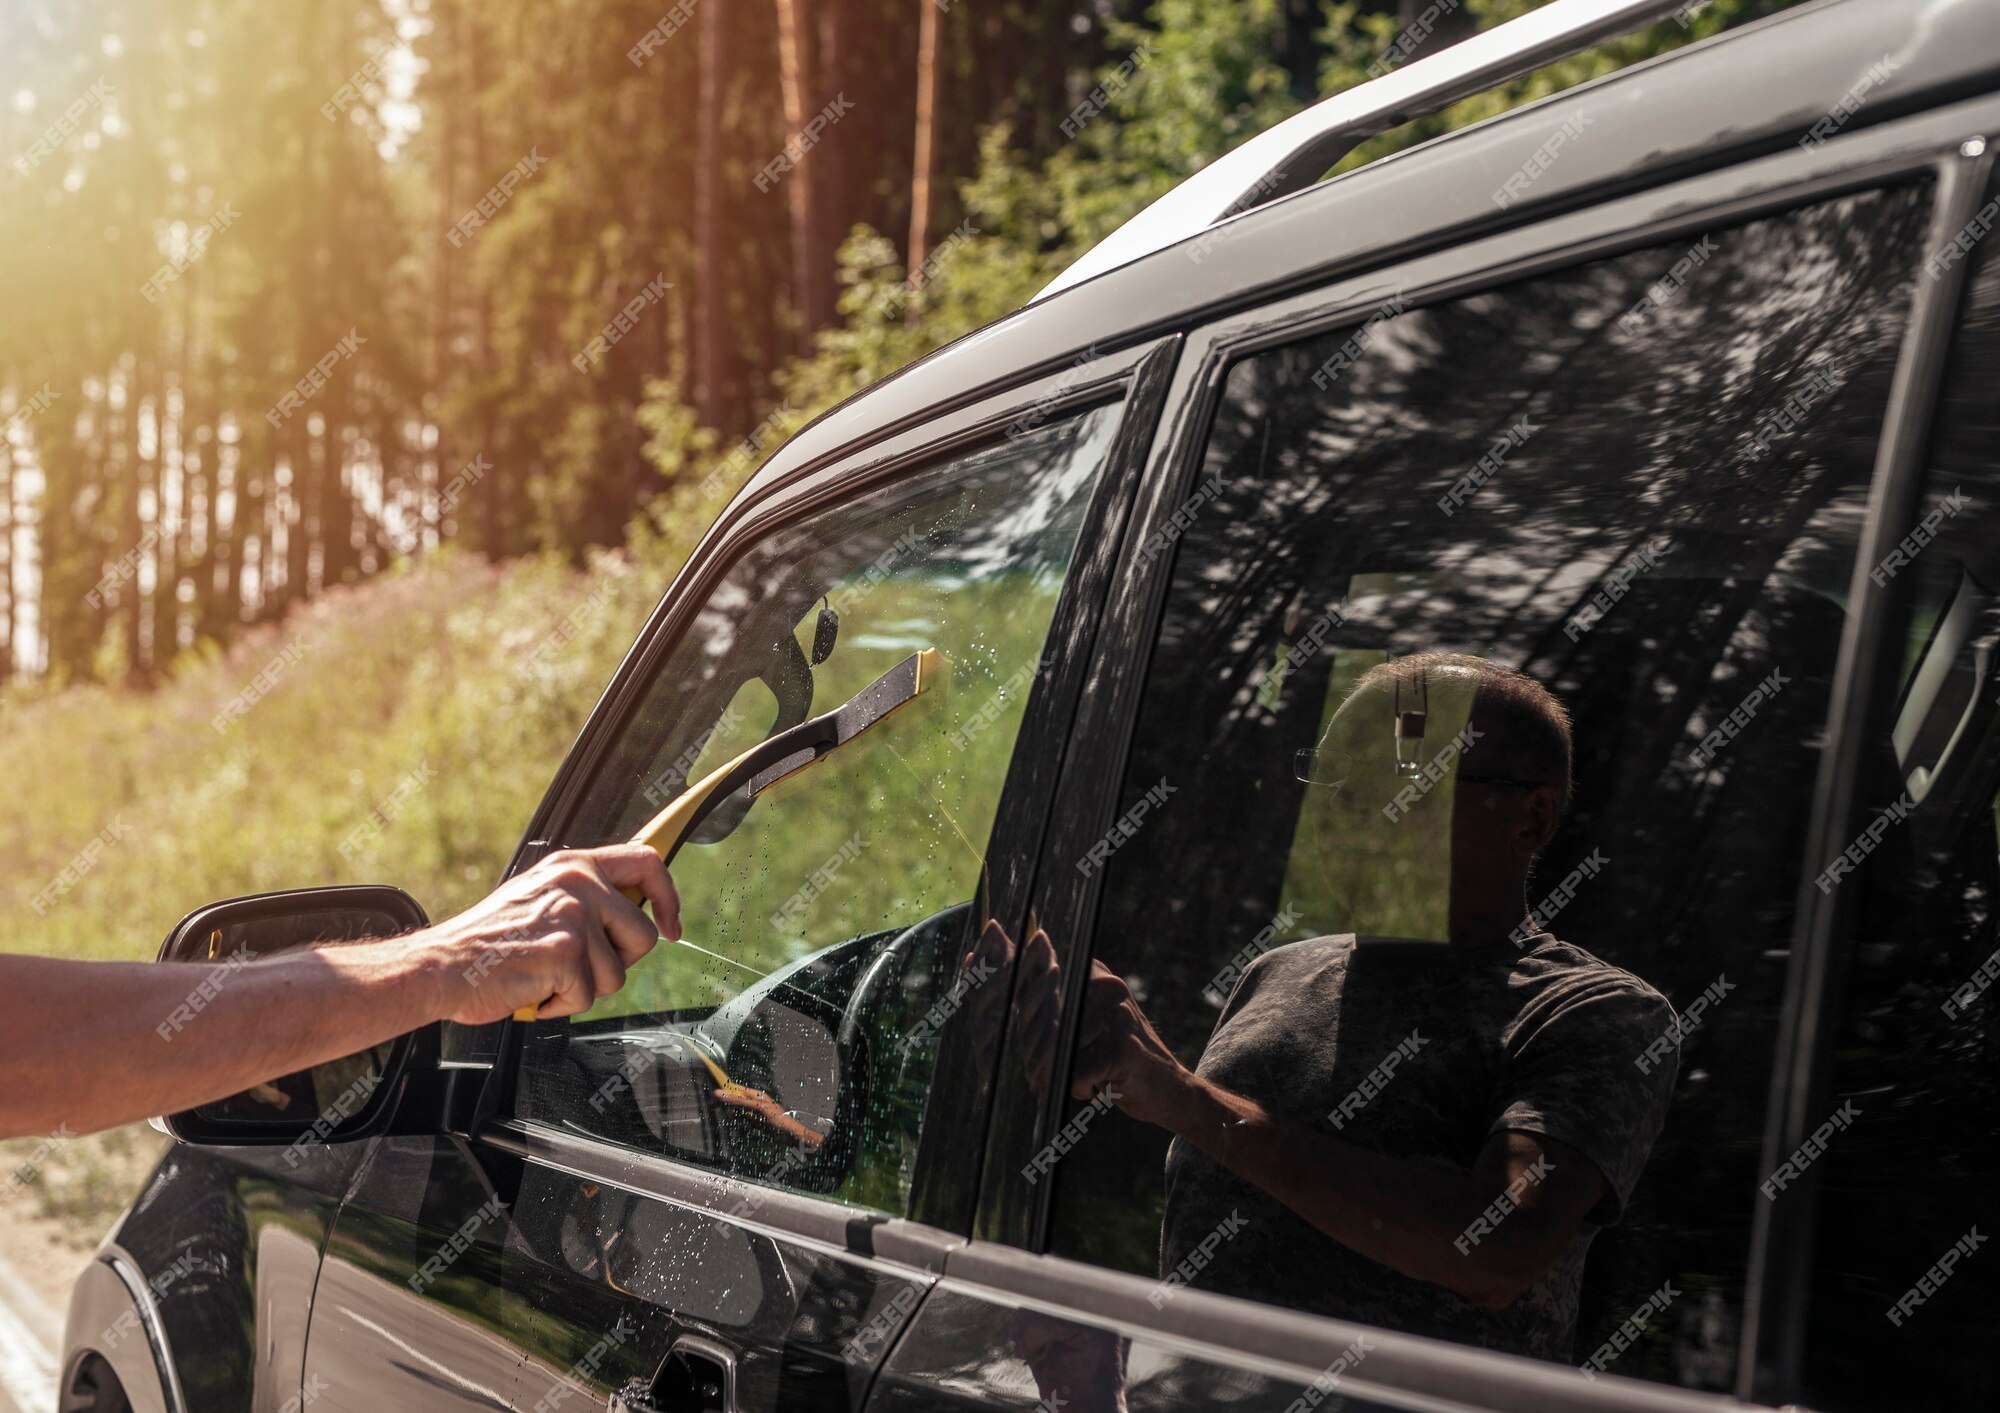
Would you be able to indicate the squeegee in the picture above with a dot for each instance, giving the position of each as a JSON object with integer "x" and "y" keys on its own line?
{"x": 781, "y": 756}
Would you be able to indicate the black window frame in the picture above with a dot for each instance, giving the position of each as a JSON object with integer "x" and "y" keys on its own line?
{"x": 1856, "y": 990}
{"x": 1135, "y": 378}
{"x": 1934, "y": 146}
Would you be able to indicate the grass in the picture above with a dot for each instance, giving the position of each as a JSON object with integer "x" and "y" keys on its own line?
{"x": 399, "y": 733}
{"x": 81, "y": 1184}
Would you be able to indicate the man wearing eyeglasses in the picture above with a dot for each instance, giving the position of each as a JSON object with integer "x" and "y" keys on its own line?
{"x": 1422, "y": 1134}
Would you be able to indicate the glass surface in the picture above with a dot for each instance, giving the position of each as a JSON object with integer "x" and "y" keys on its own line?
{"x": 790, "y": 1038}
{"x": 1903, "y": 1286}
{"x": 1639, "y": 482}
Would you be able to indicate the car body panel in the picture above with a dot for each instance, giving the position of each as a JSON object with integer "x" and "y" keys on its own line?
{"x": 225, "y": 1242}
{"x": 614, "y": 1259}
{"x": 112, "y": 1317}
{"x": 999, "y": 1312}
{"x": 410, "y": 1310}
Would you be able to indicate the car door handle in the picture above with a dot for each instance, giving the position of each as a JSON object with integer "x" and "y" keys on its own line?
{"x": 698, "y": 1377}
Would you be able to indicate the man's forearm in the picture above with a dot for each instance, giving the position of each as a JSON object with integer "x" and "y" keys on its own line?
{"x": 93, "y": 1044}
{"x": 1404, "y": 1215}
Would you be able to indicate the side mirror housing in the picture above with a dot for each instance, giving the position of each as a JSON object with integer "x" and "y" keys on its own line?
{"x": 351, "y": 1097}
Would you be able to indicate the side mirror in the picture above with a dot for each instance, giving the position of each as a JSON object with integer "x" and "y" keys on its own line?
{"x": 341, "y": 1099}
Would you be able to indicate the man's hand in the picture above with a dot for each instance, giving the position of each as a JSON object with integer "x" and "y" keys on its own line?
{"x": 1116, "y": 1046}
{"x": 1037, "y": 1005}
{"x": 559, "y": 935}
{"x": 985, "y": 1007}
{"x": 1119, "y": 1052}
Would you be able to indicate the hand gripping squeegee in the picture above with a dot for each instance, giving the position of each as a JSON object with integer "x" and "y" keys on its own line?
{"x": 782, "y": 755}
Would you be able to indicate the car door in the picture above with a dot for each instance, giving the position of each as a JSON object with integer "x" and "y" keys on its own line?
{"x": 1630, "y": 452}
{"x": 224, "y": 1243}
{"x": 730, "y": 1184}
{"x": 408, "y": 1310}
{"x": 1894, "y": 1313}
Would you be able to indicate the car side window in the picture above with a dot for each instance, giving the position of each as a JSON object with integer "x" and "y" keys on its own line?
{"x": 1618, "y": 503}
{"x": 1903, "y": 1285}
{"x": 790, "y": 1037}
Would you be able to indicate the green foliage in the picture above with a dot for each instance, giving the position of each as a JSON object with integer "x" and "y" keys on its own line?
{"x": 981, "y": 274}
{"x": 1356, "y": 37}
{"x": 1191, "y": 83}
{"x": 1202, "y": 80}
{"x": 455, "y": 685}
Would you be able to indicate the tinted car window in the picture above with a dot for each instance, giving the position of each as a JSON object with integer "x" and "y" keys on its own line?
{"x": 1903, "y": 1285}
{"x": 1640, "y": 483}
{"x": 791, "y": 1037}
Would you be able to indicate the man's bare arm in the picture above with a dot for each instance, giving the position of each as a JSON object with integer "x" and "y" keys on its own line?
{"x": 82, "y": 1048}
{"x": 1419, "y": 1219}
{"x": 1488, "y": 1234}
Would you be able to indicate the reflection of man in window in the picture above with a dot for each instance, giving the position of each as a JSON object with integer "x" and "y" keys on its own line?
{"x": 1412, "y": 1135}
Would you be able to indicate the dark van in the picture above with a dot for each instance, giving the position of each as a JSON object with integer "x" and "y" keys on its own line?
{"x": 1678, "y": 393}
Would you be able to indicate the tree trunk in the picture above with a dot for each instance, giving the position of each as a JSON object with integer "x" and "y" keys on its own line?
{"x": 310, "y": 341}
{"x": 6, "y": 561}
{"x": 1447, "y": 29}
{"x": 175, "y": 556}
{"x": 492, "y": 493}
{"x": 131, "y": 478}
{"x": 812, "y": 264}
{"x": 923, "y": 169}
{"x": 842, "y": 200}
{"x": 710, "y": 378}
{"x": 428, "y": 516}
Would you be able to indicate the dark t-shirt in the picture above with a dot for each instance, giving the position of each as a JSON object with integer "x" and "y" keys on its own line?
{"x": 1543, "y": 1040}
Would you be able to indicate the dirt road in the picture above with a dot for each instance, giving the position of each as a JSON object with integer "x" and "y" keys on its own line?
{"x": 39, "y": 1259}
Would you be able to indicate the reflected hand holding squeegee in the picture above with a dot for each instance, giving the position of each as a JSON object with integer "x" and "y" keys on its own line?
{"x": 782, "y": 756}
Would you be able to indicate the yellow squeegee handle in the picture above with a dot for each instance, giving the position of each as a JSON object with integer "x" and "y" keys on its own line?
{"x": 781, "y": 756}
